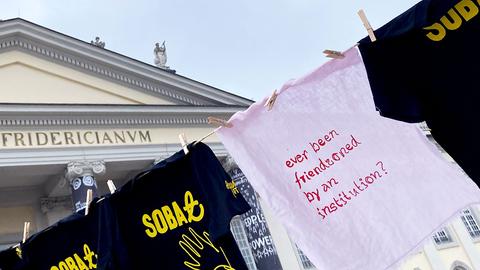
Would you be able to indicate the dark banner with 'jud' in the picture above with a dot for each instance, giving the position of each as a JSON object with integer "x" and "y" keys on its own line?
{"x": 258, "y": 234}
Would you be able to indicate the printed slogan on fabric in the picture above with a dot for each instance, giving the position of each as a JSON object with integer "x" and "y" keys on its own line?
{"x": 342, "y": 179}
{"x": 328, "y": 197}
{"x": 84, "y": 261}
{"x": 256, "y": 228}
{"x": 192, "y": 243}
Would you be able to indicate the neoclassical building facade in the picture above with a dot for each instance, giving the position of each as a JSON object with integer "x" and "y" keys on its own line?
{"x": 74, "y": 113}
{"x": 74, "y": 110}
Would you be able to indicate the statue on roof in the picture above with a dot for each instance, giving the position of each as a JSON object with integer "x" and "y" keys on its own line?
{"x": 160, "y": 53}
{"x": 98, "y": 43}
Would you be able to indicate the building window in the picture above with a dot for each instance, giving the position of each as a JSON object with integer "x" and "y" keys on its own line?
{"x": 458, "y": 265}
{"x": 306, "y": 263}
{"x": 471, "y": 223}
{"x": 238, "y": 230}
{"x": 442, "y": 237}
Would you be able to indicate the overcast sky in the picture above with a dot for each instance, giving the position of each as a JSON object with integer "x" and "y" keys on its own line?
{"x": 247, "y": 47}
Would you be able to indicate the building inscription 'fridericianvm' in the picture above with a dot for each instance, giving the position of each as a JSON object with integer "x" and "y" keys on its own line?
{"x": 73, "y": 138}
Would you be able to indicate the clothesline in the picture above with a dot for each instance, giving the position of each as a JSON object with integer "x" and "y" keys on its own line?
{"x": 111, "y": 231}
{"x": 224, "y": 123}
{"x": 271, "y": 100}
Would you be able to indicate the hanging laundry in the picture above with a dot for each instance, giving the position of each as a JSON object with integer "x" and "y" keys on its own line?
{"x": 70, "y": 243}
{"x": 423, "y": 67}
{"x": 257, "y": 230}
{"x": 354, "y": 190}
{"x": 11, "y": 259}
{"x": 177, "y": 215}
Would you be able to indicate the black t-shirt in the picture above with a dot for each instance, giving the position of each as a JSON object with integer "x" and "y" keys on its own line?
{"x": 70, "y": 243}
{"x": 11, "y": 259}
{"x": 177, "y": 215}
{"x": 423, "y": 67}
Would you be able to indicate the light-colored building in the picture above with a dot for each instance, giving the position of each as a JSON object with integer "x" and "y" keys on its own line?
{"x": 454, "y": 247}
{"x": 70, "y": 108}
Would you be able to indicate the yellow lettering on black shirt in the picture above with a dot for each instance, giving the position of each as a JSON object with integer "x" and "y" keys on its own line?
{"x": 165, "y": 219}
{"x": 463, "y": 10}
{"x": 76, "y": 262}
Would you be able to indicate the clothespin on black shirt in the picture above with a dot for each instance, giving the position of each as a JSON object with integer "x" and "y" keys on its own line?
{"x": 271, "y": 100}
{"x": 334, "y": 54}
{"x": 26, "y": 231}
{"x": 183, "y": 141}
{"x": 89, "y": 200}
{"x": 367, "y": 25}
{"x": 111, "y": 186}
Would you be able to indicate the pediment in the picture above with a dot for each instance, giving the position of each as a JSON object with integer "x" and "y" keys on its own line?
{"x": 34, "y": 59}
{"x": 27, "y": 79}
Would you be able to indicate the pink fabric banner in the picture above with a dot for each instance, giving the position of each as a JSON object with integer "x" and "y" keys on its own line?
{"x": 353, "y": 189}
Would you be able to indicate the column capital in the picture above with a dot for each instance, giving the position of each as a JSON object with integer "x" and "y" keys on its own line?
{"x": 82, "y": 168}
{"x": 81, "y": 175}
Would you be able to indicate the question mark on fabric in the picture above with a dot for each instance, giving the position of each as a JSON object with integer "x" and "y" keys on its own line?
{"x": 381, "y": 166}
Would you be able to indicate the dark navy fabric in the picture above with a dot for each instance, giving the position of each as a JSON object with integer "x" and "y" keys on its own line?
{"x": 71, "y": 243}
{"x": 11, "y": 259}
{"x": 177, "y": 215}
{"x": 423, "y": 67}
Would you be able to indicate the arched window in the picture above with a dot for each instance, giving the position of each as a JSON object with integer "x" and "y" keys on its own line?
{"x": 458, "y": 265}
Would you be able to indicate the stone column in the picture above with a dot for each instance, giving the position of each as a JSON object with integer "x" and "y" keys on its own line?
{"x": 81, "y": 175}
{"x": 468, "y": 245}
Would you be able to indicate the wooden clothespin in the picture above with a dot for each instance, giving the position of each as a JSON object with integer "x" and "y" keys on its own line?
{"x": 111, "y": 186}
{"x": 26, "y": 231}
{"x": 219, "y": 122}
{"x": 334, "y": 54}
{"x": 183, "y": 141}
{"x": 89, "y": 201}
{"x": 271, "y": 100}
{"x": 367, "y": 25}
{"x": 214, "y": 121}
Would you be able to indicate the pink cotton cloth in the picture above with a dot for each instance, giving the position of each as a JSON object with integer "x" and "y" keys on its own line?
{"x": 353, "y": 189}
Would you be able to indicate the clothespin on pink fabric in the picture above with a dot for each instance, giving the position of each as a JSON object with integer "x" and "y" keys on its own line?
{"x": 367, "y": 25}
{"x": 183, "y": 142}
{"x": 214, "y": 121}
{"x": 219, "y": 122}
{"x": 334, "y": 54}
{"x": 26, "y": 231}
{"x": 88, "y": 201}
{"x": 111, "y": 186}
{"x": 271, "y": 100}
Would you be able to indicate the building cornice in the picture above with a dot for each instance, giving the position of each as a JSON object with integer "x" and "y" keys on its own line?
{"x": 77, "y": 115}
{"x": 114, "y": 153}
{"x": 56, "y": 47}
{"x": 112, "y": 108}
